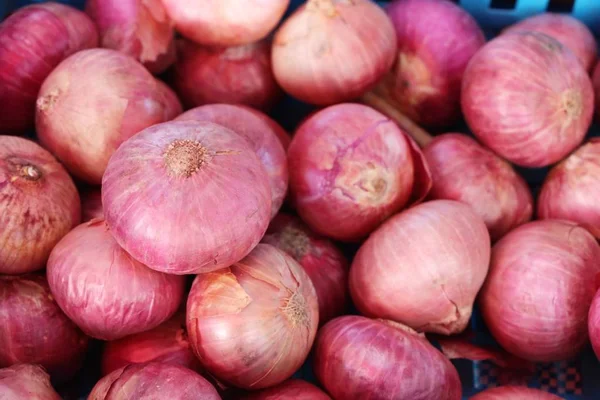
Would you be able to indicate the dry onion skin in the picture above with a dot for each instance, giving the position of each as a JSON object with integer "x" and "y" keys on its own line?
{"x": 26, "y": 381}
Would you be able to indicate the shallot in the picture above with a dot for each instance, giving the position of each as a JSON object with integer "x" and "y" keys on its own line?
{"x": 26, "y": 381}
{"x": 293, "y": 389}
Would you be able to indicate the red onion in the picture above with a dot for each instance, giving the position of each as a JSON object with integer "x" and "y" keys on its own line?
{"x": 104, "y": 290}
{"x": 262, "y": 135}
{"x": 358, "y": 358}
{"x": 594, "y": 324}
{"x": 351, "y": 168}
{"x": 436, "y": 40}
{"x": 202, "y": 199}
{"x": 436, "y": 254}
{"x": 39, "y": 204}
{"x": 514, "y": 393}
{"x": 25, "y": 381}
{"x": 225, "y": 22}
{"x": 33, "y": 41}
{"x": 253, "y": 324}
{"x": 34, "y": 330}
{"x": 331, "y": 51}
{"x": 322, "y": 261}
{"x": 139, "y": 28}
{"x": 541, "y": 283}
{"x": 233, "y": 75}
{"x": 566, "y": 29}
{"x": 91, "y": 103}
{"x": 293, "y": 389}
{"x": 528, "y": 98}
{"x": 91, "y": 204}
{"x": 151, "y": 381}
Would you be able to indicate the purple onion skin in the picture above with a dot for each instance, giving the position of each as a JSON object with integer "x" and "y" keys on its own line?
{"x": 26, "y": 382}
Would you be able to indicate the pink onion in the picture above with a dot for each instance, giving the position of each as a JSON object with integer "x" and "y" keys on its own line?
{"x": 34, "y": 330}
{"x": 351, "y": 168}
{"x": 436, "y": 254}
{"x": 33, "y": 41}
{"x": 202, "y": 199}
{"x": 594, "y": 324}
{"x": 293, "y": 389}
{"x": 322, "y": 261}
{"x": 104, "y": 290}
{"x": 26, "y": 381}
{"x": 436, "y": 40}
{"x": 91, "y": 103}
{"x": 259, "y": 130}
{"x": 566, "y": 29}
{"x": 233, "y": 75}
{"x": 514, "y": 393}
{"x": 39, "y": 204}
{"x": 91, "y": 204}
{"x": 528, "y": 98}
{"x": 225, "y": 22}
{"x": 253, "y": 324}
{"x": 540, "y": 287}
{"x": 331, "y": 51}
{"x": 151, "y": 381}
{"x": 358, "y": 358}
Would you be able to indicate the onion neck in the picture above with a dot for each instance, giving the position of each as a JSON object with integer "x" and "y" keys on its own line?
{"x": 24, "y": 170}
{"x": 327, "y": 7}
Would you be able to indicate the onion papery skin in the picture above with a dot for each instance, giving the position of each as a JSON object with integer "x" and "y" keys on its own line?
{"x": 262, "y": 134}
{"x": 293, "y": 389}
{"x": 332, "y": 51}
{"x": 107, "y": 293}
{"x": 91, "y": 204}
{"x": 594, "y": 324}
{"x": 33, "y": 41}
{"x": 566, "y": 29}
{"x": 202, "y": 199}
{"x": 463, "y": 170}
{"x": 514, "y": 393}
{"x": 351, "y": 168}
{"x": 225, "y": 22}
{"x": 528, "y": 98}
{"x": 436, "y": 254}
{"x": 401, "y": 364}
{"x": 26, "y": 381}
{"x": 322, "y": 261}
{"x": 91, "y": 103}
{"x": 539, "y": 289}
{"x": 253, "y": 324}
{"x": 39, "y": 204}
{"x": 436, "y": 41}
{"x": 34, "y": 330}
{"x": 153, "y": 380}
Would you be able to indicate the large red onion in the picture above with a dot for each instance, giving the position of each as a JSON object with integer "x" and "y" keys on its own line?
{"x": 202, "y": 199}
{"x": 26, "y": 381}
{"x": 357, "y": 358}
{"x": 293, "y": 389}
{"x": 39, "y": 204}
{"x": 528, "y": 98}
{"x": 94, "y": 101}
{"x": 91, "y": 204}
{"x": 33, "y": 41}
{"x": 262, "y": 134}
{"x": 543, "y": 276}
{"x": 514, "y": 393}
{"x": 594, "y": 324}
{"x": 104, "y": 290}
{"x": 322, "y": 261}
{"x": 351, "y": 168}
{"x": 225, "y": 22}
{"x": 331, "y": 51}
{"x": 566, "y": 29}
{"x": 253, "y": 324}
{"x": 436, "y": 40}
{"x": 436, "y": 254}
{"x": 34, "y": 330}
{"x": 151, "y": 381}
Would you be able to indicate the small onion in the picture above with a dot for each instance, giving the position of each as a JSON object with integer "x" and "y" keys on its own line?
{"x": 436, "y": 254}
{"x": 331, "y": 51}
{"x": 233, "y": 75}
{"x": 39, "y": 204}
{"x": 91, "y": 204}
{"x": 94, "y": 101}
{"x": 253, "y": 324}
{"x": 26, "y": 381}
{"x": 293, "y": 389}
{"x": 358, "y": 358}
{"x": 34, "y": 330}
{"x": 151, "y": 381}
{"x": 33, "y": 41}
{"x": 540, "y": 287}
{"x": 104, "y": 290}
{"x": 528, "y": 98}
{"x": 351, "y": 168}
{"x": 514, "y": 393}
{"x": 201, "y": 202}
{"x": 322, "y": 261}
{"x": 594, "y": 324}
{"x": 262, "y": 135}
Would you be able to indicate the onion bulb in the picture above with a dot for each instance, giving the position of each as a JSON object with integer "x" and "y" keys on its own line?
{"x": 26, "y": 381}
{"x": 514, "y": 393}
{"x": 293, "y": 389}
